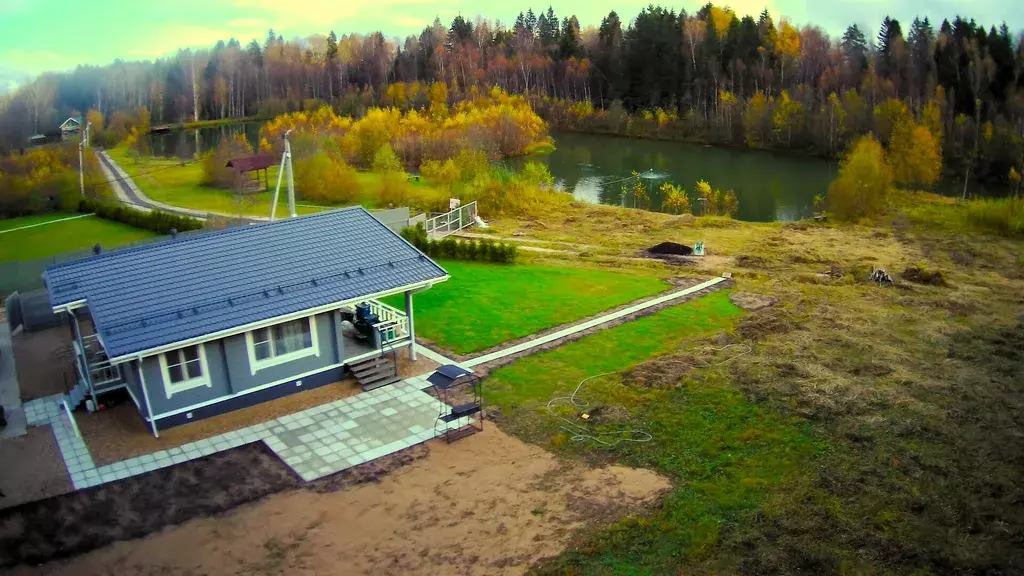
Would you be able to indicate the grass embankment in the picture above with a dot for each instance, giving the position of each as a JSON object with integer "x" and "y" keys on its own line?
{"x": 169, "y": 181}
{"x": 34, "y": 220}
{"x": 60, "y": 237}
{"x": 483, "y": 305}
{"x": 885, "y": 420}
{"x": 724, "y": 454}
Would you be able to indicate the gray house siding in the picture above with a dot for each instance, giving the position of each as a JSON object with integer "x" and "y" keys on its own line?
{"x": 242, "y": 378}
{"x": 228, "y": 362}
{"x": 130, "y": 371}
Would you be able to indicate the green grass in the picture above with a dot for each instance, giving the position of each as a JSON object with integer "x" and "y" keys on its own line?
{"x": 483, "y": 305}
{"x": 166, "y": 180}
{"x": 12, "y": 223}
{"x": 724, "y": 455}
{"x": 44, "y": 241}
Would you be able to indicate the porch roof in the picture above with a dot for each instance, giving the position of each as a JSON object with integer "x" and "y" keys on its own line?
{"x": 148, "y": 297}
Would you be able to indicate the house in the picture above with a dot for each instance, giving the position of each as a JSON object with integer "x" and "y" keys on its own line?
{"x": 197, "y": 326}
{"x": 71, "y": 126}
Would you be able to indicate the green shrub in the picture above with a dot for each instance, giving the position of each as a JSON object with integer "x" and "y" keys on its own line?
{"x": 451, "y": 249}
{"x": 159, "y": 222}
{"x": 1004, "y": 216}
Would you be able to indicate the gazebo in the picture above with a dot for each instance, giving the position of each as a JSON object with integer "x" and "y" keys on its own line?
{"x": 252, "y": 164}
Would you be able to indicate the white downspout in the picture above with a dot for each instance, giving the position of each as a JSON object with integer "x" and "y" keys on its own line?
{"x": 412, "y": 330}
{"x": 145, "y": 394}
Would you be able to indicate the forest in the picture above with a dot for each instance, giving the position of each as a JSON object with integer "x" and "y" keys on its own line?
{"x": 709, "y": 76}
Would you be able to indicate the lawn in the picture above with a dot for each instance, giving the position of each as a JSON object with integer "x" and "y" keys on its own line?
{"x": 57, "y": 238}
{"x": 483, "y": 305}
{"x": 724, "y": 454}
{"x": 166, "y": 180}
{"x": 12, "y": 223}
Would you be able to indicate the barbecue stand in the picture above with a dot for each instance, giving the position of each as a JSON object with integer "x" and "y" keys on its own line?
{"x": 461, "y": 394}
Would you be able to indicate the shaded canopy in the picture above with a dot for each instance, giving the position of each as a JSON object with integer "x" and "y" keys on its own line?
{"x": 250, "y": 163}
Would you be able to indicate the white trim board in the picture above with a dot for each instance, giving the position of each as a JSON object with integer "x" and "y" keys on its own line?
{"x": 220, "y": 399}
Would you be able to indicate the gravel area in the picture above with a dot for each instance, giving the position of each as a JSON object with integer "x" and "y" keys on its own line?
{"x": 32, "y": 468}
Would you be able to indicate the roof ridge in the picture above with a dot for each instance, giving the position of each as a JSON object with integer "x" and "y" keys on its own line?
{"x": 223, "y": 232}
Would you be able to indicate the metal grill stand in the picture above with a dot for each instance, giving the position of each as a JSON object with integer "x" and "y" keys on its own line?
{"x": 461, "y": 394}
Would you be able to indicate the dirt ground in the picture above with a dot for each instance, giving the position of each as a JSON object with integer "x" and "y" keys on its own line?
{"x": 32, "y": 468}
{"x": 487, "y": 504}
{"x": 120, "y": 432}
{"x": 44, "y": 362}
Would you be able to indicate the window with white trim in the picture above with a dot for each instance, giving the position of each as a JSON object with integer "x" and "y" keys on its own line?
{"x": 273, "y": 345}
{"x": 184, "y": 369}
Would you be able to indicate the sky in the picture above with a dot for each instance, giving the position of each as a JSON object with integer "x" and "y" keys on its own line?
{"x": 38, "y": 35}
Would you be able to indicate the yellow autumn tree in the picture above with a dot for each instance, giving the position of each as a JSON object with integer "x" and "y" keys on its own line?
{"x": 864, "y": 181}
{"x": 754, "y": 119}
{"x": 788, "y": 114}
{"x": 721, "y": 19}
{"x": 787, "y": 46}
{"x": 674, "y": 199}
{"x": 914, "y": 155}
{"x": 888, "y": 115}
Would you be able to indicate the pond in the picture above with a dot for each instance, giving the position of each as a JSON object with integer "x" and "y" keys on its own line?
{"x": 769, "y": 186}
{"x": 186, "y": 143}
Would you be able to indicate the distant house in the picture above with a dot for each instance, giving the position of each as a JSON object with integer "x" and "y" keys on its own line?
{"x": 71, "y": 126}
{"x": 198, "y": 326}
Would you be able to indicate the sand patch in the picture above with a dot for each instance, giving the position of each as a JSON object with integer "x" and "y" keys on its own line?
{"x": 487, "y": 504}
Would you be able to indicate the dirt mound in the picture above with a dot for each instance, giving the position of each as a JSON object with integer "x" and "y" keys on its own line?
{"x": 670, "y": 248}
{"x": 919, "y": 275}
{"x": 765, "y": 322}
{"x": 750, "y": 301}
{"x": 664, "y": 372}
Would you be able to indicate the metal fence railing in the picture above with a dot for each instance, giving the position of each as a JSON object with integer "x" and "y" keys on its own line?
{"x": 451, "y": 222}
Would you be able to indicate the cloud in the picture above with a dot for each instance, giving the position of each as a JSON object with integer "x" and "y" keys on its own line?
{"x": 248, "y": 23}
{"x": 36, "y": 61}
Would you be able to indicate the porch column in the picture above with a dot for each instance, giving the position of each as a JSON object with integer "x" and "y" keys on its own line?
{"x": 83, "y": 358}
{"x": 412, "y": 331}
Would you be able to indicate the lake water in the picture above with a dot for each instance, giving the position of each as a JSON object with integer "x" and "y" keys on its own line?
{"x": 769, "y": 186}
{"x": 185, "y": 143}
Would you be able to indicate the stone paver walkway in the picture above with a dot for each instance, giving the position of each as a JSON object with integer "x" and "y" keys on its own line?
{"x": 497, "y": 355}
{"x": 10, "y": 393}
{"x": 315, "y": 442}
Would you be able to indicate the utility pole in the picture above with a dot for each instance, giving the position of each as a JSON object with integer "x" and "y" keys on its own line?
{"x": 286, "y": 164}
{"x": 81, "y": 167}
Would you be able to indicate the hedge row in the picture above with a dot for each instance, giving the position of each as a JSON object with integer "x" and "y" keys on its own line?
{"x": 159, "y": 222}
{"x": 451, "y": 249}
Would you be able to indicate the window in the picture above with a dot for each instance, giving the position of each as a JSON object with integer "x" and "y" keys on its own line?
{"x": 282, "y": 343}
{"x": 185, "y": 368}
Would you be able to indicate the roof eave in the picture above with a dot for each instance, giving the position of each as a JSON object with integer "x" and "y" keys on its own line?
{"x": 139, "y": 355}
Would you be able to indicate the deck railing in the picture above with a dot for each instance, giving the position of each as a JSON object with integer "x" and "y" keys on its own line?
{"x": 394, "y": 324}
{"x": 452, "y": 221}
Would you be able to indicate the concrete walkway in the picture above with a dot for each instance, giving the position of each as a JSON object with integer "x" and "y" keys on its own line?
{"x": 589, "y": 324}
{"x": 315, "y": 442}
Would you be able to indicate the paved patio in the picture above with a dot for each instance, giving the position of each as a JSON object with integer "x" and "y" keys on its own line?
{"x": 315, "y": 442}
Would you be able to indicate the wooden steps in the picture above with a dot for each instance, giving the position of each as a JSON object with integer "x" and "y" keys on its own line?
{"x": 376, "y": 372}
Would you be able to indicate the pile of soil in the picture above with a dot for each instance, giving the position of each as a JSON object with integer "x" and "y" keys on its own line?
{"x": 921, "y": 276}
{"x": 663, "y": 372}
{"x": 671, "y": 249}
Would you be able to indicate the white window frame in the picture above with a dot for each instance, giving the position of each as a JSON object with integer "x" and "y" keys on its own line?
{"x": 257, "y": 365}
{"x": 172, "y": 388}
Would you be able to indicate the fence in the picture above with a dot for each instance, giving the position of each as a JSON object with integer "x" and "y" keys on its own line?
{"x": 30, "y": 310}
{"x": 451, "y": 222}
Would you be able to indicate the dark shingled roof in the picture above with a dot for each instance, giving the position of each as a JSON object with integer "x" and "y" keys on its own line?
{"x": 250, "y": 163}
{"x": 149, "y": 296}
